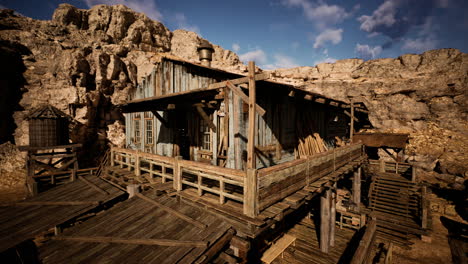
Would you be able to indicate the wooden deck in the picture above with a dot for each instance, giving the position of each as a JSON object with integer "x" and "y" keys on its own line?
{"x": 139, "y": 220}
{"x": 25, "y": 220}
{"x": 307, "y": 250}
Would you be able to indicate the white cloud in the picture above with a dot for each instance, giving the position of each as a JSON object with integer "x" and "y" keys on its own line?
{"x": 326, "y": 60}
{"x": 3, "y": 7}
{"x": 235, "y": 47}
{"x": 329, "y": 35}
{"x": 384, "y": 15}
{"x": 322, "y": 14}
{"x": 182, "y": 23}
{"x": 144, "y": 6}
{"x": 281, "y": 61}
{"x": 258, "y": 55}
{"x": 367, "y": 52}
{"x": 419, "y": 45}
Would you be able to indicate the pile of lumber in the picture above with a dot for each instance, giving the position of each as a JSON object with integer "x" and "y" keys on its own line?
{"x": 310, "y": 142}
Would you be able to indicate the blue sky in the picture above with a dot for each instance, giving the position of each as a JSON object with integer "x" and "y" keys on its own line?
{"x": 288, "y": 33}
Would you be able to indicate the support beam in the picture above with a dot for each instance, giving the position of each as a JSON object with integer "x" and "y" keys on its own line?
{"x": 244, "y": 97}
{"x": 325, "y": 221}
{"x": 357, "y": 189}
{"x": 258, "y": 77}
{"x": 206, "y": 118}
{"x": 252, "y": 123}
{"x": 333, "y": 215}
{"x": 160, "y": 118}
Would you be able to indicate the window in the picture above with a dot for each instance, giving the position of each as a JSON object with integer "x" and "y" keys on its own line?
{"x": 149, "y": 131}
{"x": 137, "y": 131}
{"x": 205, "y": 135}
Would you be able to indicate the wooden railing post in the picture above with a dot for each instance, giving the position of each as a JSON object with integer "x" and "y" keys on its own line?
{"x": 382, "y": 165}
{"x": 177, "y": 174}
{"x": 137, "y": 164}
{"x": 413, "y": 173}
{"x": 251, "y": 193}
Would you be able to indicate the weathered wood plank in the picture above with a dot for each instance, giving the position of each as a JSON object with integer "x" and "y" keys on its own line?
{"x": 152, "y": 242}
{"x": 252, "y": 124}
{"x": 172, "y": 211}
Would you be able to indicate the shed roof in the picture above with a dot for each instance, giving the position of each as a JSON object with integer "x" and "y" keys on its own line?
{"x": 195, "y": 94}
{"x": 46, "y": 112}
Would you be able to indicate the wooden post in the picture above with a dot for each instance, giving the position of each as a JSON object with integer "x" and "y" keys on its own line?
{"x": 112, "y": 157}
{"x": 413, "y": 173}
{"x": 382, "y": 165}
{"x": 357, "y": 189}
{"x": 226, "y": 121}
{"x": 333, "y": 216}
{"x": 137, "y": 164}
{"x": 424, "y": 207}
{"x": 132, "y": 190}
{"x": 177, "y": 174}
{"x": 252, "y": 123}
{"x": 251, "y": 193}
{"x": 75, "y": 165}
{"x": 325, "y": 221}
{"x": 351, "y": 130}
{"x": 31, "y": 182}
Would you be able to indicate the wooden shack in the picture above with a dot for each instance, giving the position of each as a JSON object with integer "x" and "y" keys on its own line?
{"x": 185, "y": 109}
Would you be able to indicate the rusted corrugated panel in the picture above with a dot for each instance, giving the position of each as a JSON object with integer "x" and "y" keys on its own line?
{"x": 392, "y": 140}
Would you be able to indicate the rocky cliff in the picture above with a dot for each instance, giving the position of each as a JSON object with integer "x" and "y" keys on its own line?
{"x": 425, "y": 95}
{"x": 85, "y": 61}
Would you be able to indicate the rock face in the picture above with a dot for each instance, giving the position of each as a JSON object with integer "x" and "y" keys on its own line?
{"x": 83, "y": 62}
{"x": 425, "y": 95}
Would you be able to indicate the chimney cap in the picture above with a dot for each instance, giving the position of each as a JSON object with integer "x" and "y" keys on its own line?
{"x": 204, "y": 44}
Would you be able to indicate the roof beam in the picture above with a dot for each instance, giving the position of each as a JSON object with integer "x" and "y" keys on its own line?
{"x": 244, "y": 97}
{"x": 258, "y": 77}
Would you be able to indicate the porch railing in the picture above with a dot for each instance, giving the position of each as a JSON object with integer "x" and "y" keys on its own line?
{"x": 255, "y": 189}
{"x": 223, "y": 182}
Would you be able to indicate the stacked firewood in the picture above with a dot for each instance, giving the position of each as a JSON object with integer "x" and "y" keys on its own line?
{"x": 310, "y": 142}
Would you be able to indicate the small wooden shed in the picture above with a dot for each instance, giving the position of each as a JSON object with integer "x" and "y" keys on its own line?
{"x": 48, "y": 126}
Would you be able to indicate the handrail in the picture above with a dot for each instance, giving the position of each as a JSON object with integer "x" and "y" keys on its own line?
{"x": 365, "y": 245}
{"x": 329, "y": 153}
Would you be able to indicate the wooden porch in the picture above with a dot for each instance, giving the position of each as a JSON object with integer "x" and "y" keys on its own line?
{"x": 249, "y": 200}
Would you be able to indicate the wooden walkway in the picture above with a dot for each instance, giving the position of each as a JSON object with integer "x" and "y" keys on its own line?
{"x": 26, "y": 219}
{"x": 306, "y": 248}
{"x": 140, "y": 221}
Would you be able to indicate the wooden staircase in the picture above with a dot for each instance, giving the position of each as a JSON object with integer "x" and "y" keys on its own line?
{"x": 396, "y": 202}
